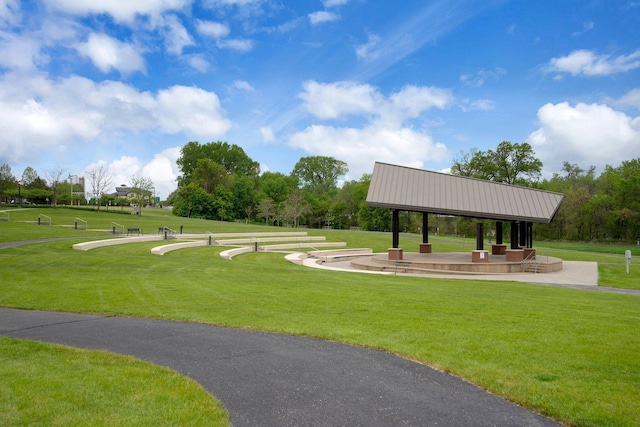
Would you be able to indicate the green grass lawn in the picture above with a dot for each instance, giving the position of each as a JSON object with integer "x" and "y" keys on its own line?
{"x": 51, "y": 385}
{"x": 569, "y": 354}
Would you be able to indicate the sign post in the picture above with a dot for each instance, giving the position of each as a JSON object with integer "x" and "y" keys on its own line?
{"x": 627, "y": 255}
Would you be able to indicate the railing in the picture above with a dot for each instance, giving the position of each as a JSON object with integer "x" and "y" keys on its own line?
{"x": 531, "y": 259}
{"x": 86, "y": 225}
{"x": 115, "y": 226}
{"x": 166, "y": 232}
{"x": 40, "y": 219}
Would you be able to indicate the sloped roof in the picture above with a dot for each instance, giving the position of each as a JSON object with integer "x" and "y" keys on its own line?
{"x": 404, "y": 188}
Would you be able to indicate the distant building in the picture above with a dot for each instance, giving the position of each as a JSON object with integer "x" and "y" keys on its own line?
{"x": 129, "y": 193}
{"x": 123, "y": 192}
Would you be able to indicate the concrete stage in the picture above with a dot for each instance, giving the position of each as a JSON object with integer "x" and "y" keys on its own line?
{"x": 455, "y": 263}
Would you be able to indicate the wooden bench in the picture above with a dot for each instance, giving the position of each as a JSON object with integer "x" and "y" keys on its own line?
{"x": 136, "y": 230}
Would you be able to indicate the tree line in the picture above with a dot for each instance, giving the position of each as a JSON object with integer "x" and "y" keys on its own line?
{"x": 220, "y": 181}
{"x": 59, "y": 188}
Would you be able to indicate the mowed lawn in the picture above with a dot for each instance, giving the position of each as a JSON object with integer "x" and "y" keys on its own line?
{"x": 569, "y": 354}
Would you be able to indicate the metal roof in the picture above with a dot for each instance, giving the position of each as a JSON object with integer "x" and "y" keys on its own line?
{"x": 404, "y": 188}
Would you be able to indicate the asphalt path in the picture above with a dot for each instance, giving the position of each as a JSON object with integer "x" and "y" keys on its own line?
{"x": 267, "y": 379}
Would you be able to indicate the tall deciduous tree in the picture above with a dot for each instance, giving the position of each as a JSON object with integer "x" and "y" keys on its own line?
{"x": 230, "y": 156}
{"x": 29, "y": 176}
{"x": 209, "y": 174}
{"x": 7, "y": 180}
{"x": 142, "y": 186}
{"x": 54, "y": 177}
{"x": 100, "y": 179}
{"x": 319, "y": 174}
{"x": 295, "y": 207}
{"x": 510, "y": 163}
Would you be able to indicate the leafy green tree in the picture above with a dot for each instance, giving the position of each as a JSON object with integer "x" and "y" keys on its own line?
{"x": 192, "y": 201}
{"x": 230, "y": 156}
{"x": 319, "y": 174}
{"x": 276, "y": 186}
{"x": 143, "y": 193}
{"x": 243, "y": 193}
{"x": 267, "y": 209}
{"x": 295, "y": 207}
{"x": 351, "y": 198}
{"x": 510, "y": 163}
{"x": 29, "y": 177}
{"x": 7, "y": 181}
{"x": 209, "y": 175}
{"x": 54, "y": 177}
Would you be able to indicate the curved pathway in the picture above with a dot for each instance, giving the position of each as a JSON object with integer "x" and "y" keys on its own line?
{"x": 266, "y": 379}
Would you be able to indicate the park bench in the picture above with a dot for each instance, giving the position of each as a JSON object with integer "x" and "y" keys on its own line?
{"x": 136, "y": 230}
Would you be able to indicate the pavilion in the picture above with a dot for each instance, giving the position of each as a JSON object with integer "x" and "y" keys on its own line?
{"x": 401, "y": 188}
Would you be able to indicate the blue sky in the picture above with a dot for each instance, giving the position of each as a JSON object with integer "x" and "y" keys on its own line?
{"x": 127, "y": 83}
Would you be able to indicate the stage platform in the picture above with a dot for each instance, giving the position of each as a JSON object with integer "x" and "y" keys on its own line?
{"x": 454, "y": 263}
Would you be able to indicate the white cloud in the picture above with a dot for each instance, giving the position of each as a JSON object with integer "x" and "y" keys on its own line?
{"x": 476, "y": 105}
{"x": 236, "y": 44}
{"x": 334, "y": 3}
{"x": 322, "y": 16}
{"x": 163, "y": 171}
{"x": 383, "y": 137}
{"x": 333, "y": 100}
{"x": 586, "y": 134}
{"x": 368, "y": 50}
{"x": 123, "y": 11}
{"x": 198, "y": 62}
{"x": 630, "y": 99}
{"x": 176, "y": 36}
{"x": 361, "y": 148}
{"x": 267, "y": 134}
{"x": 20, "y": 52}
{"x": 586, "y": 27}
{"x": 412, "y": 101}
{"x": 122, "y": 170}
{"x": 216, "y": 30}
{"x": 243, "y": 85}
{"x": 480, "y": 78}
{"x": 342, "y": 99}
{"x": 232, "y": 2}
{"x": 108, "y": 54}
{"x": 588, "y": 63}
{"x": 191, "y": 110}
{"x": 52, "y": 115}
{"x": 9, "y": 12}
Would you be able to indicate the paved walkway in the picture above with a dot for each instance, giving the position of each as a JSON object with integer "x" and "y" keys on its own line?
{"x": 266, "y": 379}
{"x": 574, "y": 274}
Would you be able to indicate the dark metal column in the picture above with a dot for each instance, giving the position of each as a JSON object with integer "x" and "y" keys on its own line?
{"x": 498, "y": 232}
{"x": 479, "y": 236}
{"x": 395, "y": 228}
{"x": 530, "y": 235}
{"x": 523, "y": 234}
{"x": 514, "y": 235}
{"x": 425, "y": 227}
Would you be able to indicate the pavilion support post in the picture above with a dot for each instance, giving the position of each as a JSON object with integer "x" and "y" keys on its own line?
{"x": 523, "y": 234}
{"x": 425, "y": 246}
{"x": 529, "y": 251}
{"x": 395, "y": 252}
{"x": 515, "y": 244}
{"x": 480, "y": 255}
{"x": 479, "y": 236}
{"x": 515, "y": 254}
{"x": 499, "y": 248}
{"x": 395, "y": 228}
